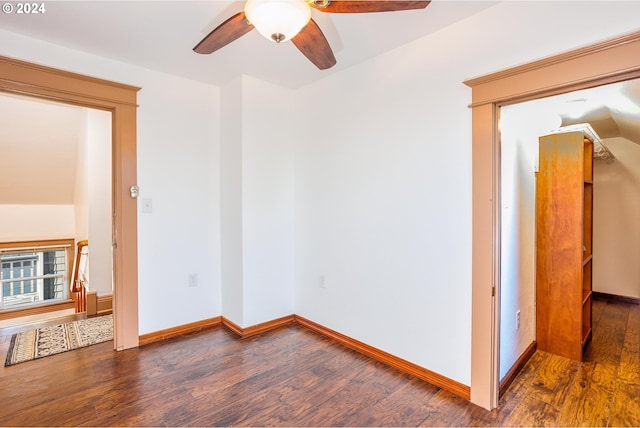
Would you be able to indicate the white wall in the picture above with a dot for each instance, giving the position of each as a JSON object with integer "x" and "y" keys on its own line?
{"x": 383, "y": 178}
{"x": 383, "y": 206}
{"x": 267, "y": 201}
{"x": 616, "y": 230}
{"x": 42, "y": 167}
{"x": 178, "y": 168}
{"x": 36, "y": 222}
{"x": 92, "y": 198}
{"x": 39, "y": 169}
{"x": 82, "y": 182}
{"x": 257, "y": 202}
{"x": 520, "y": 127}
{"x": 99, "y": 199}
{"x": 231, "y": 201}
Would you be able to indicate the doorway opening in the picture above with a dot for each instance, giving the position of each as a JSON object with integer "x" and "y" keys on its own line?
{"x": 56, "y": 185}
{"x": 611, "y": 61}
{"x": 31, "y": 80}
{"x": 613, "y": 113}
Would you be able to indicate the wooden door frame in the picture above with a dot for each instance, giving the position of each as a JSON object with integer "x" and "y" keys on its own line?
{"x": 610, "y": 61}
{"x": 24, "y": 78}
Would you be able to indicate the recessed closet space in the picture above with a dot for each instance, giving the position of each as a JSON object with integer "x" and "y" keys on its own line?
{"x": 612, "y": 113}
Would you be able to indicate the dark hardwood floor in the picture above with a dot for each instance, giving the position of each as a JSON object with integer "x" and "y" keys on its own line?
{"x": 295, "y": 377}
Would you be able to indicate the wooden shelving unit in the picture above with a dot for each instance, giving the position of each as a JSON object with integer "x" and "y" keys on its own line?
{"x": 564, "y": 230}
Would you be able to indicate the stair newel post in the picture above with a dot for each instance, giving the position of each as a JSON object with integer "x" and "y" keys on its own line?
{"x": 78, "y": 289}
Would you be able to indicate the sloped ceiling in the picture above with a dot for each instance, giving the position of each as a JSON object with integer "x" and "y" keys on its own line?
{"x": 611, "y": 110}
{"x": 39, "y": 147}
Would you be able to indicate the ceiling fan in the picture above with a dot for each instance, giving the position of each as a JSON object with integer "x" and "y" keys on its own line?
{"x": 282, "y": 20}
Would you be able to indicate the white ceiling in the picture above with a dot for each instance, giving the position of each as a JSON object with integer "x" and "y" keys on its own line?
{"x": 160, "y": 35}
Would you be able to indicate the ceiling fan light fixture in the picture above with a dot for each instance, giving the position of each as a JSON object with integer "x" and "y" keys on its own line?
{"x": 278, "y": 20}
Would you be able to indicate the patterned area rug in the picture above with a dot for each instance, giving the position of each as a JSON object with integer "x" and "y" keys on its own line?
{"x": 45, "y": 341}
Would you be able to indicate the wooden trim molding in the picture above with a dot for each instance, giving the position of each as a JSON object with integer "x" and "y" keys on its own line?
{"x": 433, "y": 378}
{"x": 517, "y": 366}
{"x": 616, "y": 298}
{"x": 105, "y": 304}
{"x": 169, "y": 333}
{"x": 556, "y": 59}
{"x": 242, "y": 333}
{"x": 92, "y": 303}
{"x": 24, "y": 78}
{"x": 254, "y": 330}
{"x": 69, "y": 242}
{"x": 39, "y": 243}
{"x": 45, "y": 307}
{"x": 586, "y": 67}
{"x": 99, "y": 305}
{"x": 232, "y": 327}
{"x": 37, "y": 310}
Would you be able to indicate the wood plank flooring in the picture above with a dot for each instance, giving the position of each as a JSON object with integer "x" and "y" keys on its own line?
{"x": 295, "y": 377}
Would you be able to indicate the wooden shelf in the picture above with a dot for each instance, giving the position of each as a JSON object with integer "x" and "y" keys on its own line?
{"x": 564, "y": 228}
{"x": 586, "y": 337}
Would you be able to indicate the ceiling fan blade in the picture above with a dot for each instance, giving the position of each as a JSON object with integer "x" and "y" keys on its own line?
{"x": 225, "y": 33}
{"x": 363, "y": 6}
{"x": 312, "y": 43}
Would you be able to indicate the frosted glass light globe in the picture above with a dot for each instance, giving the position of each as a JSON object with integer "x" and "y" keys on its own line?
{"x": 278, "y": 20}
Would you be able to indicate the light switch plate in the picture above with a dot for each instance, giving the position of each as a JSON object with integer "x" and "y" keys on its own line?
{"x": 147, "y": 206}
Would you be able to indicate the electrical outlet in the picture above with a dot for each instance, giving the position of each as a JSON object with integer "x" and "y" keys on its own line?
{"x": 321, "y": 282}
{"x": 193, "y": 280}
{"x": 518, "y": 319}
